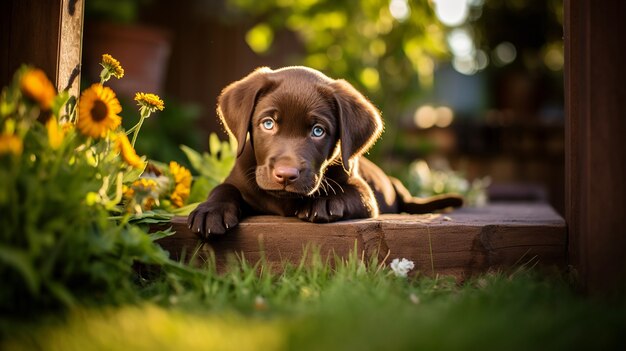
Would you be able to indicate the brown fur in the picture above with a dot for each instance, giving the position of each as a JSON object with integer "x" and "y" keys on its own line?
{"x": 283, "y": 168}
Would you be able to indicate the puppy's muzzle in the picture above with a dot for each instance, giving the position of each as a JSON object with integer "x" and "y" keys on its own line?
{"x": 285, "y": 175}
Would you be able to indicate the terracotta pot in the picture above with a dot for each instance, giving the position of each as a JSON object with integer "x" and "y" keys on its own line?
{"x": 142, "y": 51}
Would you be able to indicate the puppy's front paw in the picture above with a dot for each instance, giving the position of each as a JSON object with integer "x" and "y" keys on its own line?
{"x": 323, "y": 210}
{"x": 213, "y": 218}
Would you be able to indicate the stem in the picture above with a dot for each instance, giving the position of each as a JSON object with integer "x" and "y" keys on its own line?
{"x": 138, "y": 127}
{"x": 104, "y": 75}
{"x": 73, "y": 117}
{"x": 132, "y": 129}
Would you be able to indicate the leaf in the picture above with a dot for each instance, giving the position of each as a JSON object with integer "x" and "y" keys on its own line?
{"x": 6, "y": 106}
{"x": 152, "y": 217}
{"x": 21, "y": 262}
{"x": 132, "y": 175}
{"x": 59, "y": 101}
{"x": 200, "y": 189}
{"x": 186, "y": 210}
{"x": 154, "y": 236}
{"x": 195, "y": 159}
{"x": 61, "y": 293}
{"x": 214, "y": 144}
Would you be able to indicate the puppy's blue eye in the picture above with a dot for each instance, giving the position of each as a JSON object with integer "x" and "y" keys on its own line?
{"x": 268, "y": 124}
{"x": 317, "y": 131}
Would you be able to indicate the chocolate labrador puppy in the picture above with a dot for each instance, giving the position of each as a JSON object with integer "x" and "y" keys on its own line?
{"x": 300, "y": 139}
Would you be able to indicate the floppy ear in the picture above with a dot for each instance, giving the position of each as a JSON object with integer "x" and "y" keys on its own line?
{"x": 359, "y": 122}
{"x": 236, "y": 103}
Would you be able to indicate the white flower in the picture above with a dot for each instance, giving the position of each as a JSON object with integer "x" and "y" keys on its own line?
{"x": 401, "y": 267}
{"x": 259, "y": 303}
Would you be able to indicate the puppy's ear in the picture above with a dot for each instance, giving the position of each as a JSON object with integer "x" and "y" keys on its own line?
{"x": 236, "y": 103}
{"x": 359, "y": 122}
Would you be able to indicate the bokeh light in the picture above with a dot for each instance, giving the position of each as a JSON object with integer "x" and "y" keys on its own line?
{"x": 399, "y": 9}
{"x": 504, "y": 53}
{"x": 553, "y": 57}
{"x": 460, "y": 42}
{"x": 451, "y": 12}
{"x": 370, "y": 78}
{"x": 464, "y": 65}
{"x": 445, "y": 116}
{"x": 260, "y": 38}
{"x": 425, "y": 117}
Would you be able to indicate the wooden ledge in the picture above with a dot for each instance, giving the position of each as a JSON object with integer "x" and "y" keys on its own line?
{"x": 460, "y": 243}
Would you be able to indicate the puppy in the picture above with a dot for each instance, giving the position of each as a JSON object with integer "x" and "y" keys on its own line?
{"x": 300, "y": 139}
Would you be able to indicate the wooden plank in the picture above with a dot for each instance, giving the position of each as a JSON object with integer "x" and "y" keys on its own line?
{"x": 595, "y": 127}
{"x": 461, "y": 243}
{"x": 277, "y": 238}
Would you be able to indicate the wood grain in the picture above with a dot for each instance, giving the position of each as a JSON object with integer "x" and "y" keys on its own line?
{"x": 463, "y": 243}
{"x": 595, "y": 166}
{"x": 70, "y": 47}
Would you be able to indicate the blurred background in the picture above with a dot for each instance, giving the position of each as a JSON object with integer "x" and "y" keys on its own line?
{"x": 471, "y": 91}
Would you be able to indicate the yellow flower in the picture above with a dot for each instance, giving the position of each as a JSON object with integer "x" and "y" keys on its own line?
{"x": 145, "y": 192}
{"x": 128, "y": 191}
{"x": 67, "y": 127}
{"x": 180, "y": 173}
{"x": 128, "y": 152}
{"x": 98, "y": 110}
{"x": 145, "y": 185}
{"x": 150, "y": 102}
{"x": 182, "y": 180}
{"x": 10, "y": 143}
{"x": 112, "y": 66}
{"x": 36, "y": 86}
{"x": 55, "y": 133}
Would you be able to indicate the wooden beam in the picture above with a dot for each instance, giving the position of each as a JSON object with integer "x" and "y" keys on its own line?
{"x": 70, "y": 46}
{"x": 462, "y": 243}
{"x": 595, "y": 107}
{"x": 45, "y": 34}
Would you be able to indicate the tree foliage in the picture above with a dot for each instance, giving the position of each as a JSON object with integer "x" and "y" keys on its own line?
{"x": 389, "y": 58}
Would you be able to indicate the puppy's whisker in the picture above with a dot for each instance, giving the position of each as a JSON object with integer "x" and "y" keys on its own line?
{"x": 339, "y": 185}
{"x": 323, "y": 187}
{"x": 250, "y": 177}
{"x": 318, "y": 192}
{"x": 330, "y": 186}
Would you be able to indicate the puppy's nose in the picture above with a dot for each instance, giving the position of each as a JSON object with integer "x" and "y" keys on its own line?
{"x": 285, "y": 175}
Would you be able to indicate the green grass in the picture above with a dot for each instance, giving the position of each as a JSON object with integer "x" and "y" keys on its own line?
{"x": 346, "y": 305}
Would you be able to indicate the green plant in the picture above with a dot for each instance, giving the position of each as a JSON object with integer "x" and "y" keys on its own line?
{"x": 212, "y": 166}
{"x": 63, "y": 166}
{"x": 423, "y": 181}
{"x": 336, "y": 305}
{"x": 162, "y": 135}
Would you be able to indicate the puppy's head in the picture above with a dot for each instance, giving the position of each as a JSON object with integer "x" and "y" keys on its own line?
{"x": 299, "y": 122}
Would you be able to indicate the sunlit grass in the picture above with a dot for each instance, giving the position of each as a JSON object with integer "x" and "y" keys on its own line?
{"x": 150, "y": 327}
{"x": 346, "y": 305}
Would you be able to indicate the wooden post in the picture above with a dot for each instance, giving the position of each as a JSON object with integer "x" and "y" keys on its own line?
{"x": 46, "y": 34}
{"x": 595, "y": 105}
